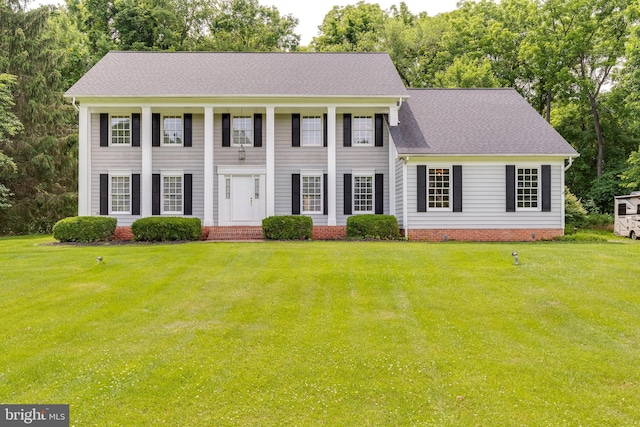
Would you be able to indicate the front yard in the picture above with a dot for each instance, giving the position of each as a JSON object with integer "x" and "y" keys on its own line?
{"x": 323, "y": 333}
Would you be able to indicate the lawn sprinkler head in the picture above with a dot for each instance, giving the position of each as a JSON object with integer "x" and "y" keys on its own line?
{"x": 515, "y": 257}
{"x": 98, "y": 260}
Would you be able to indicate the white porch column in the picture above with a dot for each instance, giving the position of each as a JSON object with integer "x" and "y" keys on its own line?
{"x": 331, "y": 165}
{"x": 84, "y": 161}
{"x": 271, "y": 162}
{"x": 146, "y": 130}
{"x": 392, "y": 175}
{"x": 405, "y": 216}
{"x": 208, "y": 167}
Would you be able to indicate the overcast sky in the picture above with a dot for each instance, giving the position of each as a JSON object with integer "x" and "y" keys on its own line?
{"x": 311, "y": 12}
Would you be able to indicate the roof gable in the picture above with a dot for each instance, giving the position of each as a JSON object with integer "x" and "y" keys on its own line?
{"x": 191, "y": 74}
{"x": 474, "y": 122}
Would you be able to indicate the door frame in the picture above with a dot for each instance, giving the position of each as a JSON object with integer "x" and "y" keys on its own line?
{"x": 224, "y": 204}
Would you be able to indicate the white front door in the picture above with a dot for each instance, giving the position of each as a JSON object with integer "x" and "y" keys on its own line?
{"x": 242, "y": 198}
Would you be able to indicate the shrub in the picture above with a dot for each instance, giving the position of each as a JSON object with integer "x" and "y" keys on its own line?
{"x": 581, "y": 237}
{"x": 383, "y": 227}
{"x": 596, "y": 220}
{"x": 574, "y": 213}
{"x": 287, "y": 227}
{"x": 84, "y": 229}
{"x": 163, "y": 229}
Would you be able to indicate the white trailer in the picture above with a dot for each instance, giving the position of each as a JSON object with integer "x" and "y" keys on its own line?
{"x": 627, "y": 211}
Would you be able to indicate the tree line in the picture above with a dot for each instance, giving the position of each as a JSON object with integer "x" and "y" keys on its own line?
{"x": 577, "y": 62}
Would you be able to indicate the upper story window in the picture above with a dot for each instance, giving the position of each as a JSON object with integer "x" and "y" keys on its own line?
{"x": 242, "y": 130}
{"x": 312, "y": 131}
{"x": 120, "y": 130}
{"x": 439, "y": 188}
{"x": 527, "y": 186}
{"x": 363, "y": 193}
{"x": 172, "y": 130}
{"x": 120, "y": 192}
{"x": 172, "y": 194}
{"x": 362, "y": 130}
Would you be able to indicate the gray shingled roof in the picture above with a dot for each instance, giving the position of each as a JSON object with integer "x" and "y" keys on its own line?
{"x": 175, "y": 74}
{"x": 475, "y": 122}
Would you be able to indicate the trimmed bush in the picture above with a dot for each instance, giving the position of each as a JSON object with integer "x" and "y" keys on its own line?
{"x": 165, "y": 229}
{"x": 381, "y": 227}
{"x": 287, "y": 227}
{"x": 84, "y": 229}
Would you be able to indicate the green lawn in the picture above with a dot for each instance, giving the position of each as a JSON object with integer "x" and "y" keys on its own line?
{"x": 323, "y": 333}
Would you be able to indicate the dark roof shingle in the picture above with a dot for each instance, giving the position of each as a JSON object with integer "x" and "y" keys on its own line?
{"x": 202, "y": 74}
{"x": 474, "y": 122}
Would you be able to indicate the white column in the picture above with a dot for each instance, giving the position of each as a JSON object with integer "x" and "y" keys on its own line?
{"x": 393, "y": 116}
{"x": 146, "y": 129}
{"x": 208, "y": 166}
{"x": 84, "y": 161}
{"x": 392, "y": 175}
{"x": 331, "y": 165}
{"x": 405, "y": 216}
{"x": 271, "y": 162}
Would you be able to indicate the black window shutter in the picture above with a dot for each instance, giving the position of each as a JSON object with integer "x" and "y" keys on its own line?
{"x": 257, "y": 130}
{"x": 422, "y": 188}
{"x": 457, "y": 188}
{"x": 325, "y": 197}
{"x": 135, "y": 130}
{"x": 104, "y": 194}
{"x": 295, "y": 130}
{"x": 188, "y": 132}
{"x": 188, "y": 194}
{"x": 104, "y": 130}
{"x": 379, "y": 131}
{"x": 155, "y": 194}
{"x": 511, "y": 188}
{"x": 135, "y": 194}
{"x": 546, "y": 188}
{"x": 155, "y": 139}
{"x": 379, "y": 188}
{"x": 347, "y": 130}
{"x": 295, "y": 194}
{"x": 226, "y": 130}
{"x": 325, "y": 132}
{"x": 347, "y": 194}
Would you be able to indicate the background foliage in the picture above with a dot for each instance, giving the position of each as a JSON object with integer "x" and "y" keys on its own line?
{"x": 576, "y": 61}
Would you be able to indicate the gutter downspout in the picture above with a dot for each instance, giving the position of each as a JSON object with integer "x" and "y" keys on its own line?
{"x": 73, "y": 102}
{"x": 566, "y": 168}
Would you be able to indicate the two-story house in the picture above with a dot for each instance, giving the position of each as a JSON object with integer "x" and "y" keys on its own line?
{"x": 232, "y": 138}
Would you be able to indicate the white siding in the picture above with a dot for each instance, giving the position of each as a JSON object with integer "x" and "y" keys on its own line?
{"x": 292, "y": 160}
{"x": 353, "y": 158}
{"x": 114, "y": 158}
{"x": 484, "y": 205}
{"x": 188, "y": 159}
{"x": 228, "y": 156}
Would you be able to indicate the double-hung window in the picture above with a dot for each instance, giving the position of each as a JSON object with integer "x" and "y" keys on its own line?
{"x": 172, "y": 130}
{"x": 527, "y": 188}
{"x": 439, "y": 188}
{"x": 362, "y": 130}
{"x": 311, "y": 194}
{"x": 120, "y": 193}
{"x": 363, "y": 193}
{"x": 120, "y": 130}
{"x": 172, "y": 192}
{"x": 242, "y": 130}
{"x": 311, "y": 131}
